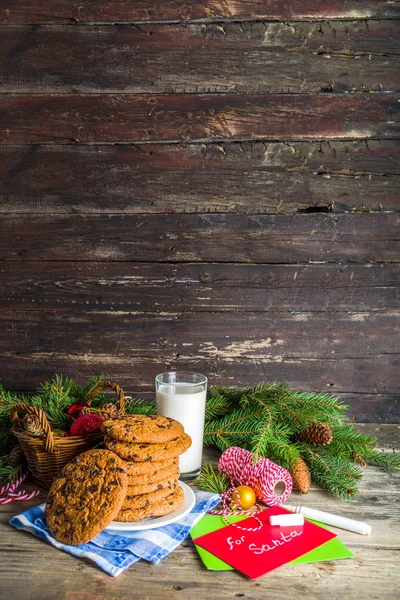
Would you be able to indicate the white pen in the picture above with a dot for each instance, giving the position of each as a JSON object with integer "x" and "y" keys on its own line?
{"x": 329, "y": 519}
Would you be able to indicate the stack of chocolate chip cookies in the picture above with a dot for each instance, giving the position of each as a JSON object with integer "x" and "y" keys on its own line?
{"x": 149, "y": 447}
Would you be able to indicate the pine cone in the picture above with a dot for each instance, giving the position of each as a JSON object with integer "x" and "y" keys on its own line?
{"x": 317, "y": 434}
{"x": 301, "y": 476}
{"x": 31, "y": 424}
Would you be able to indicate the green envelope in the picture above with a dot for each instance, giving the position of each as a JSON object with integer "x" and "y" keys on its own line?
{"x": 332, "y": 550}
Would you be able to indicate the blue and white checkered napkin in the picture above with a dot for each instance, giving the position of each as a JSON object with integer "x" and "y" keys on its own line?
{"x": 114, "y": 552}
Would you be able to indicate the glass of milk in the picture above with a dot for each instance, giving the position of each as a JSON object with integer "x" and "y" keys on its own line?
{"x": 181, "y": 395}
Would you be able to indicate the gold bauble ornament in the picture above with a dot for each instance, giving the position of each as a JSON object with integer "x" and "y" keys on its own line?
{"x": 245, "y": 496}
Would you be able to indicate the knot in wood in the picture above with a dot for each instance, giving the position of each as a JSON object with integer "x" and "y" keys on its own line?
{"x": 205, "y": 277}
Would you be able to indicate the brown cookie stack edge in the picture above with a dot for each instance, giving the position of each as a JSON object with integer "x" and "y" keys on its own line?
{"x": 149, "y": 447}
{"x": 159, "y": 509}
{"x": 147, "y": 452}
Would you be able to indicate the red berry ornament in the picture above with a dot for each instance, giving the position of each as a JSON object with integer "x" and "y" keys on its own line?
{"x": 75, "y": 410}
{"x": 86, "y": 424}
{"x": 245, "y": 496}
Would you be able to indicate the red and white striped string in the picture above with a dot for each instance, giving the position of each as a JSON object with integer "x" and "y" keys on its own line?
{"x": 12, "y": 495}
{"x": 265, "y": 477}
{"x": 271, "y": 483}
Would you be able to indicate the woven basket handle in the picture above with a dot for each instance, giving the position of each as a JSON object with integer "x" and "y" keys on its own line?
{"x": 114, "y": 386}
{"x": 43, "y": 422}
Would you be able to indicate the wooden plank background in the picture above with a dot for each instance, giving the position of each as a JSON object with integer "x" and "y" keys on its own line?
{"x": 210, "y": 186}
{"x": 122, "y": 11}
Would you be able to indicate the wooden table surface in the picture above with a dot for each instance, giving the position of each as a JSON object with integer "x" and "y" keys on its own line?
{"x": 32, "y": 569}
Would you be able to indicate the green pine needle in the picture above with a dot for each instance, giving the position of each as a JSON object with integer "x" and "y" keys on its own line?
{"x": 8, "y": 472}
{"x": 217, "y": 405}
{"x": 236, "y": 428}
{"x": 335, "y": 474}
{"x": 387, "y": 460}
{"x": 138, "y": 406}
{"x": 212, "y": 481}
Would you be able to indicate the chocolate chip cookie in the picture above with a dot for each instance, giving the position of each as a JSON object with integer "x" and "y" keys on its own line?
{"x": 147, "y": 488}
{"x": 153, "y": 478}
{"x": 142, "y": 428}
{"x": 144, "y": 500}
{"x": 150, "y": 468}
{"x": 149, "y": 452}
{"x": 160, "y": 508}
{"x": 86, "y": 496}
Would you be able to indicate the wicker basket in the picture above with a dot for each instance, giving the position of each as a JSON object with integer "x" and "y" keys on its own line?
{"x": 47, "y": 455}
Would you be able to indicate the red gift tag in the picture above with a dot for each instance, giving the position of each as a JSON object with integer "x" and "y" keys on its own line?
{"x": 255, "y": 553}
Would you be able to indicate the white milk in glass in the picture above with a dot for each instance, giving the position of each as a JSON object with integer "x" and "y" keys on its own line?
{"x": 185, "y": 403}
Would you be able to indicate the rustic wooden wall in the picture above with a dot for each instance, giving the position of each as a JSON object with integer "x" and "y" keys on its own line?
{"x": 209, "y": 185}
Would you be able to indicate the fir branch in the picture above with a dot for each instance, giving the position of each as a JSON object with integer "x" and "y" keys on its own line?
{"x": 54, "y": 397}
{"x": 211, "y": 480}
{"x": 8, "y": 472}
{"x": 298, "y": 418}
{"x": 55, "y": 414}
{"x": 327, "y": 403}
{"x": 305, "y": 408}
{"x": 299, "y": 409}
{"x": 349, "y": 443}
{"x": 231, "y": 394}
{"x": 239, "y": 425}
{"x": 238, "y": 422}
{"x": 139, "y": 406}
{"x": 347, "y": 434}
{"x": 277, "y": 447}
{"x": 262, "y": 439}
{"x": 340, "y": 477}
{"x": 101, "y": 398}
{"x": 8, "y": 401}
{"x": 217, "y": 405}
{"x": 7, "y": 440}
{"x": 93, "y": 383}
{"x": 264, "y": 394}
{"x": 388, "y": 460}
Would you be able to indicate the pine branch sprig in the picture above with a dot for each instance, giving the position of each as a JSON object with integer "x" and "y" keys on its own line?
{"x": 9, "y": 472}
{"x": 218, "y": 404}
{"x": 237, "y": 428}
{"x": 347, "y": 435}
{"x": 275, "y": 443}
{"x": 212, "y": 481}
{"x": 264, "y": 394}
{"x": 325, "y": 403}
{"x": 139, "y": 406}
{"x": 338, "y": 476}
{"x": 387, "y": 460}
{"x": 350, "y": 444}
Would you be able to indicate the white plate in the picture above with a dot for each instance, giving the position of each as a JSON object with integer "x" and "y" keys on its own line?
{"x": 153, "y": 522}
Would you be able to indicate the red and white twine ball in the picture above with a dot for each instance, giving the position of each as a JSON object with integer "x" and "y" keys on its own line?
{"x": 264, "y": 476}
